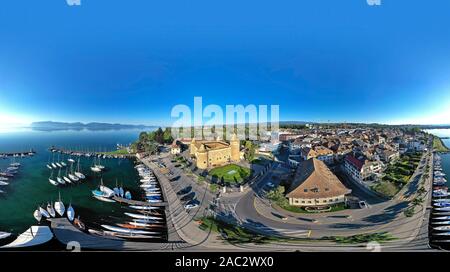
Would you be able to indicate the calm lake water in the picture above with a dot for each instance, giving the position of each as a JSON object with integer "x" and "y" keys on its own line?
{"x": 31, "y": 188}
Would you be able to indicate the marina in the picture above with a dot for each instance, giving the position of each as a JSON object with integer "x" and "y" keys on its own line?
{"x": 71, "y": 198}
{"x": 439, "y": 227}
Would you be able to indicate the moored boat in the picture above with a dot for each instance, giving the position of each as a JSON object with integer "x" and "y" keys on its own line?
{"x": 70, "y": 213}
{"x": 36, "y": 235}
{"x": 50, "y": 210}
{"x": 59, "y": 206}
{"x": 126, "y": 230}
{"x": 142, "y": 216}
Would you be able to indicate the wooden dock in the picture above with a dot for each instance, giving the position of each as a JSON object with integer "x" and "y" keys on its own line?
{"x": 80, "y": 153}
{"x": 67, "y": 233}
{"x": 138, "y": 203}
{"x": 30, "y": 152}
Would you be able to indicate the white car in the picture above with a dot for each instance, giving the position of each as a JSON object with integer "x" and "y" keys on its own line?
{"x": 362, "y": 204}
{"x": 190, "y": 206}
{"x": 270, "y": 184}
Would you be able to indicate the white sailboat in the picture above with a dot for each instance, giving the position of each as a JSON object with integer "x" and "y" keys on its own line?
{"x": 44, "y": 212}
{"x": 4, "y": 235}
{"x": 70, "y": 213}
{"x": 141, "y": 216}
{"x": 52, "y": 181}
{"x": 50, "y": 210}
{"x": 59, "y": 206}
{"x": 144, "y": 207}
{"x": 2, "y": 183}
{"x": 124, "y": 230}
{"x": 66, "y": 178}
{"x": 48, "y": 164}
{"x": 78, "y": 172}
{"x": 59, "y": 179}
{"x": 72, "y": 176}
{"x": 35, "y": 235}
{"x": 37, "y": 215}
{"x": 62, "y": 162}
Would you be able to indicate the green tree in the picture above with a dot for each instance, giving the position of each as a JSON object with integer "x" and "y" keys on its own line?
{"x": 167, "y": 136}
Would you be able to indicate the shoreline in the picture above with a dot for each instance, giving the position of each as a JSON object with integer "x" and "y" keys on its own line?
{"x": 439, "y": 145}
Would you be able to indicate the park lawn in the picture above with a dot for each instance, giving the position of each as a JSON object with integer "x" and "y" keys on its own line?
{"x": 438, "y": 145}
{"x": 397, "y": 175}
{"x": 122, "y": 151}
{"x": 379, "y": 237}
{"x": 238, "y": 235}
{"x": 296, "y": 209}
{"x": 232, "y": 233}
{"x": 231, "y": 173}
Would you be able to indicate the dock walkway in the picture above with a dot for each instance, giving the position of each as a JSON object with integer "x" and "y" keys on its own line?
{"x": 138, "y": 203}
{"x": 66, "y": 233}
{"x": 30, "y": 152}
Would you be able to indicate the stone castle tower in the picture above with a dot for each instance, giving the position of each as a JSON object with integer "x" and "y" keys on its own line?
{"x": 235, "y": 145}
{"x": 202, "y": 157}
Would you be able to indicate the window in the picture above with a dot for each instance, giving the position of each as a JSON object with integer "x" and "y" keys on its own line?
{"x": 305, "y": 190}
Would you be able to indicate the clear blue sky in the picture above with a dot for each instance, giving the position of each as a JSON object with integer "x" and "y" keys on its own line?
{"x": 131, "y": 61}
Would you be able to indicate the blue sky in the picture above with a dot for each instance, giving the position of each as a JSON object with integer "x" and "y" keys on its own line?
{"x": 132, "y": 61}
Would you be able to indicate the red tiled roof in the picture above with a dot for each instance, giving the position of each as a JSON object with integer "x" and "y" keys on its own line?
{"x": 354, "y": 161}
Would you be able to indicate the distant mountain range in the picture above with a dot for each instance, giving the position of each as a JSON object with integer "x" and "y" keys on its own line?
{"x": 50, "y": 125}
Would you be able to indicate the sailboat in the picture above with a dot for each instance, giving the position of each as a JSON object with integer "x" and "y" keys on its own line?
{"x": 14, "y": 163}
{"x": 121, "y": 192}
{"x": 63, "y": 163}
{"x": 57, "y": 163}
{"x": 70, "y": 213}
{"x": 59, "y": 179}
{"x": 50, "y": 210}
{"x": 116, "y": 189}
{"x": 78, "y": 172}
{"x": 2, "y": 183}
{"x": 37, "y": 215}
{"x": 66, "y": 178}
{"x": 52, "y": 181}
{"x": 70, "y": 159}
{"x": 48, "y": 164}
{"x": 128, "y": 195}
{"x": 59, "y": 206}
{"x": 103, "y": 193}
{"x": 71, "y": 174}
{"x": 141, "y": 216}
{"x": 44, "y": 212}
{"x": 99, "y": 165}
{"x": 95, "y": 168}
{"x": 130, "y": 231}
{"x": 53, "y": 162}
{"x": 4, "y": 235}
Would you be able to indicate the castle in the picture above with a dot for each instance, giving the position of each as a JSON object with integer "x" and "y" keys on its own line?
{"x": 215, "y": 153}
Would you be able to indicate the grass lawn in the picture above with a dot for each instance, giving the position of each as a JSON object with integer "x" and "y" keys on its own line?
{"x": 438, "y": 145}
{"x": 362, "y": 238}
{"x": 398, "y": 174}
{"x": 231, "y": 173}
{"x": 122, "y": 151}
{"x": 296, "y": 209}
{"x": 238, "y": 235}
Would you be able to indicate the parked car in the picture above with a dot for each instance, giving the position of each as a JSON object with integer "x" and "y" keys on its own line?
{"x": 190, "y": 206}
{"x": 362, "y": 204}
